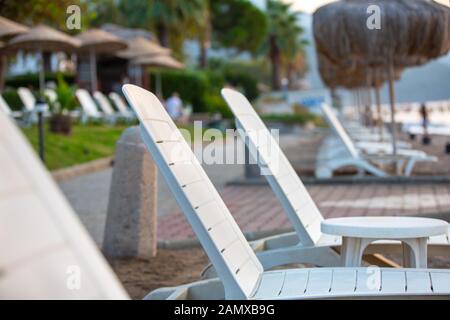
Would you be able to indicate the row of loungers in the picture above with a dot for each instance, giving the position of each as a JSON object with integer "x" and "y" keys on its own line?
{"x": 98, "y": 108}
{"x": 242, "y": 269}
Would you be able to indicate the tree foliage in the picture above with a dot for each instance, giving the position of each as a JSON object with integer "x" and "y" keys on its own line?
{"x": 238, "y": 24}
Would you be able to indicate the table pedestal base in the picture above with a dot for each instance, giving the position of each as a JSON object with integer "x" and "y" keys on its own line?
{"x": 415, "y": 253}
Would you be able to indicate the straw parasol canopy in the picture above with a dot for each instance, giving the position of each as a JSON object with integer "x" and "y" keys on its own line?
{"x": 43, "y": 38}
{"x": 97, "y": 41}
{"x": 162, "y": 61}
{"x": 10, "y": 28}
{"x": 411, "y": 33}
{"x": 140, "y": 46}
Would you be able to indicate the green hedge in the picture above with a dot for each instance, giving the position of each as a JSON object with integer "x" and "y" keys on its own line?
{"x": 32, "y": 79}
{"x": 190, "y": 85}
{"x": 201, "y": 89}
{"x": 12, "y": 99}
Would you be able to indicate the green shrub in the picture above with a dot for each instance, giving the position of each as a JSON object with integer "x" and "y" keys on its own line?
{"x": 216, "y": 103}
{"x": 245, "y": 81}
{"x": 12, "y": 99}
{"x": 65, "y": 94}
{"x": 32, "y": 79}
{"x": 191, "y": 86}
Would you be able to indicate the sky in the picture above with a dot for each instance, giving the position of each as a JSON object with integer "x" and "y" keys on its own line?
{"x": 309, "y": 6}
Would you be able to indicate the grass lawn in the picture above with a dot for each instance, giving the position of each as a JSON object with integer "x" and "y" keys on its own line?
{"x": 87, "y": 143}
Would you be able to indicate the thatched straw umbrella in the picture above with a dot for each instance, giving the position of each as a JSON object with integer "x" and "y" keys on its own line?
{"x": 161, "y": 61}
{"x": 141, "y": 47}
{"x": 8, "y": 29}
{"x": 412, "y": 32}
{"x": 43, "y": 38}
{"x": 97, "y": 41}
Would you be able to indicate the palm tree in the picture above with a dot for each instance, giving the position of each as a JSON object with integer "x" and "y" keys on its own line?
{"x": 169, "y": 18}
{"x": 283, "y": 37}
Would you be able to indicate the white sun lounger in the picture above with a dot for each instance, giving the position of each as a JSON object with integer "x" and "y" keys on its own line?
{"x": 4, "y": 107}
{"x": 122, "y": 106}
{"x": 238, "y": 268}
{"x": 307, "y": 244}
{"x": 332, "y": 157}
{"x": 90, "y": 111}
{"x": 45, "y": 251}
{"x": 28, "y": 99}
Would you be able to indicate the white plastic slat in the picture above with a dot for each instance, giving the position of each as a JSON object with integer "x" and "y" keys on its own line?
{"x": 315, "y": 233}
{"x": 236, "y": 256}
{"x": 368, "y": 280}
{"x": 118, "y": 101}
{"x": 103, "y": 103}
{"x": 344, "y": 280}
{"x": 440, "y": 282}
{"x": 25, "y": 223}
{"x": 393, "y": 281}
{"x": 271, "y": 285}
{"x": 87, "y": 103}
{"x": 295, "y": 283}
{"x": 418, "y": 281}
{"x": 248, "y": 276}
{"x": 319, "y": 281}
{"x": 441, "y": 239}
{"x": 12, "y": 179}
{"x": 197, "y": 194}
{"x": 161, "y": 130}
{"x": 340, "y": 131}
{"x": 223, "y": 235}
{"x": 251, "y": 122}
{"x": 175, "y": 151}
{"x": 211, "y": 214}
{"x": 186, "y": 173}
{"x": 48, "y": 276}
{"x": 27, "y": 98}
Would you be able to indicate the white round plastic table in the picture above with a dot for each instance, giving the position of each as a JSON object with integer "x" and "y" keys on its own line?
{"x": 359, "y": 232}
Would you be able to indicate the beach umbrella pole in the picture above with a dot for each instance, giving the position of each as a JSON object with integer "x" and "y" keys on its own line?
{"x": 93, "y": 63}
{"x": 393, "y": 125}
{"x": 41, "y": 71}
{"x": 380, "y": 118}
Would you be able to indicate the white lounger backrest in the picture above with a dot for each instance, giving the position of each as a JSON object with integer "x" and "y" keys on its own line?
{"x": 44, "y": 247}
{"x": 28, "y": 100}
{"x": 104, "y": 103}
{"x": 87, "y": 103}
{"x": 120, "y": 104}
{"x": 289, "y": 189}
{"x": 51, "y": 95}
{"x": 337, "y": 127}
{"x": 235, "y": 262}
{"x": 4, "y": 107}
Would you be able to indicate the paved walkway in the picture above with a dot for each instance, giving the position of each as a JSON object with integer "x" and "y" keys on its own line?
{"x": 256, "y": 209}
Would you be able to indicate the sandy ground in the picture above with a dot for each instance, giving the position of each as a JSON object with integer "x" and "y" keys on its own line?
{"x": 168, "y": 268}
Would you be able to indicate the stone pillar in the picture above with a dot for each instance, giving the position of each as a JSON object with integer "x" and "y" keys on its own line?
{"x": 130, "y": 229}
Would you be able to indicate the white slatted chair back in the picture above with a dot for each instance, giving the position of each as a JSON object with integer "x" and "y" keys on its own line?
{"x": 51, "y": 95}
{"x": 4, "y": 107}
{"x": 104, "y": 103}
{"x": 28, "y": 99}
{"x": 234, "y": 260}
{"x": 284, "y": 181}
{"x": 87, "y": 103}
{"x": 43, "y": 244}
{"x": 120, "y": 104}
{"x": 337, "y": 127}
